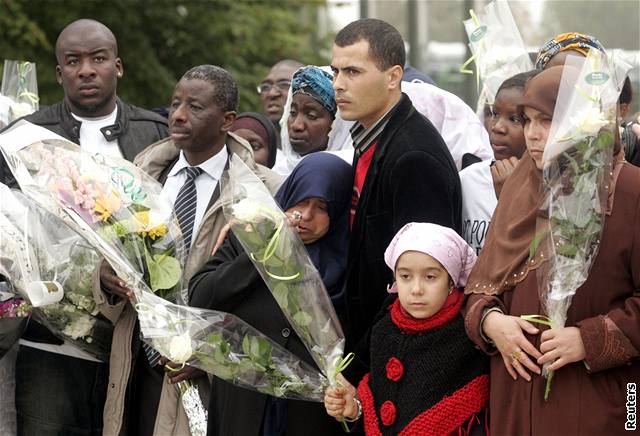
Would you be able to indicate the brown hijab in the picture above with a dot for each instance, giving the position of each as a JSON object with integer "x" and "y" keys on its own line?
{"x": 505, "y": 259}
{"x": 510, "y": 252}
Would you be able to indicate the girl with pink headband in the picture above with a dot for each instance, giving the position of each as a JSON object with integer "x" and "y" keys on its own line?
{"x": 426, "y": 376}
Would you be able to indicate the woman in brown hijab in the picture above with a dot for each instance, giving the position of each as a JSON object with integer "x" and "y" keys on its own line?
{"x": 595, "y": 357}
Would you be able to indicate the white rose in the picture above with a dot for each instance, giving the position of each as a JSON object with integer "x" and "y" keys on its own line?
{"x": 589, "y": 121}
{"x": 246, "y": 210}
{"x": 180, "y": 348}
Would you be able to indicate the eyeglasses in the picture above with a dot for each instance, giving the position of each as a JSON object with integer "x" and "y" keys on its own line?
{"x": 282, "y": 85}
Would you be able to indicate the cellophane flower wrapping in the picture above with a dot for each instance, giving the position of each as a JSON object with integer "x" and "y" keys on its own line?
{"x": 497, "y": 46}
{"x": 20, "y": 87}
{"x": 39, "y": 253}
{"x": 577, "y": 175}
{"x": 283, "y": 263}
{"x": 110, "y": 202}
{"x": 116, "y": 207}
{"x": 227, "y": 347}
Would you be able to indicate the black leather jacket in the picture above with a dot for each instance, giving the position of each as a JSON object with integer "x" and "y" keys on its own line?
{"x": 135, "y": 129}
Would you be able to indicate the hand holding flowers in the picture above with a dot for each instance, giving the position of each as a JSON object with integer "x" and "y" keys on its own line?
{"x": 561, "y": 346}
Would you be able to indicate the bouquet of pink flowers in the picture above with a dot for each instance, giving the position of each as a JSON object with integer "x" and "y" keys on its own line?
{"x": 114, "y": 205}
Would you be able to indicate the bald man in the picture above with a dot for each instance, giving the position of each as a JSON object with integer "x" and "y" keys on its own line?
{"x": 91, "y": 114}
{"x": 61, "y": 389}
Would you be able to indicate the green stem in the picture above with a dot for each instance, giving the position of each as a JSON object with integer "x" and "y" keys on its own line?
{"x": 547, "y": 389}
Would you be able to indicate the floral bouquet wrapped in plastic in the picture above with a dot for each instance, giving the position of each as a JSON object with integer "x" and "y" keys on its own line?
{"x": 497, "y": 47}
{"x": 49, "y": 267}
{"x": 20, "y": 87}
{"x": 113, "y": 204}
{"x": 116, "y": 207}
{"x": 284, "y": 264}
{"x": 576, "y": 178}
{"x": 227, "y": 347}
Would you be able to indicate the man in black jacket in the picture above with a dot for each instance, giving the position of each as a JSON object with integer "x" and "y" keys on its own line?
{"x": 59, "y": 388}
{"x": 404, "y": 171}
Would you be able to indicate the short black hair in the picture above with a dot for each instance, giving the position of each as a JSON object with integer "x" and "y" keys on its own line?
{"x": 225, "y": 92}
{"x": 626, "y": 95}
{"x": 386, "y": 46}
{"x": 518, "y": 81}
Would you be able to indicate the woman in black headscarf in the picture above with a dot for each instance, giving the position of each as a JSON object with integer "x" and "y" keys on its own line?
{"x": 260, "y": 133}
{"x": 317, "y": 194}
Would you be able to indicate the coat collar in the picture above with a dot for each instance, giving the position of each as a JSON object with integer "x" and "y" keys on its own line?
{"x": 403, "y": 110}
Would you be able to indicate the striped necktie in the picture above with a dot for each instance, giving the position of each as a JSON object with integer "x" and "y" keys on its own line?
{"x": 185, "y": 205}
{"x": 185, "y": 209}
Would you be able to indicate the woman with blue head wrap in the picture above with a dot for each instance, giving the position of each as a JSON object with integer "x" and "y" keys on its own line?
{"x": 313, "y": 109}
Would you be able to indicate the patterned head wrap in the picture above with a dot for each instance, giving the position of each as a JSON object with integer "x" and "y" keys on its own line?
{"x": 317, "y": 84}
{"x": 566, "y": 41}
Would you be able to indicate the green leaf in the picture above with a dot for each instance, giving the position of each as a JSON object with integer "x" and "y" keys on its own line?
{"x": 280, "y": 293}
{"x": 533, "y": 248}
{"x": 302, "y": 318}
{"x": 164, "y": 271}
{"x": 568, "y": 250}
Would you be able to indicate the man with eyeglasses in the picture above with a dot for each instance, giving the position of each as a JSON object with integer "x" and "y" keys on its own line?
{"x": 273, "y": 89}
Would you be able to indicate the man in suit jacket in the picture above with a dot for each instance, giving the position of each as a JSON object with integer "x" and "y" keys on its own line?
{"x": 60, "y": 388}
{"x": 403, "y": 169}
{"x": 202, "y": 110}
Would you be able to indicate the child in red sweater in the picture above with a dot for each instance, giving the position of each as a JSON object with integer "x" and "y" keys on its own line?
{"x": 426, "y": 376}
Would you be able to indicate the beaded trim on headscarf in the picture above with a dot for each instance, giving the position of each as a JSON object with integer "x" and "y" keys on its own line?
{"x": 317, "y": 84}
{"x": 566, "y": 41}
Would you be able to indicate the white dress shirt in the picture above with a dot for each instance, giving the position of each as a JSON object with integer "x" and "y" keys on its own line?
{"x": 205, "y": 183}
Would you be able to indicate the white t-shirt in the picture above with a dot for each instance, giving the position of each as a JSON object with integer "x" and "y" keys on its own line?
{"x": 92, "y": 139}
{"x": 478, "y": 202}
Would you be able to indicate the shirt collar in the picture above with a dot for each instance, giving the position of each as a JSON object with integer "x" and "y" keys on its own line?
{"x": 214, "y": 166}
{"x": 363, "y": 138}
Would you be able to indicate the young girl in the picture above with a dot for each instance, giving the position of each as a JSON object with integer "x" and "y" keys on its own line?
{"x": 482, "y": 182}
{"x": 426, "y": 376}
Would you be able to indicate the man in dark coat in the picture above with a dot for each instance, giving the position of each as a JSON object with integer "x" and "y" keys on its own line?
{"x": 59, "y": 388}
{"x": 403, "y": 169}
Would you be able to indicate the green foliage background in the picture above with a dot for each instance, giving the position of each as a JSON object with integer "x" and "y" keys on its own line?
{"x": 159, "y": 40}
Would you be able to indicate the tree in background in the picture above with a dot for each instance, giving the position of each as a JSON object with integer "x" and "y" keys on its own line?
{"x": 159, "y": 40}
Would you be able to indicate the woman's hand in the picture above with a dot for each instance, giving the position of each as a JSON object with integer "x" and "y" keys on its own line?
{"x": 507, "y": 333}
{"x": 294, "y": 218}
{"x": 222, "y": 236}
{"x": 561, "y": 346}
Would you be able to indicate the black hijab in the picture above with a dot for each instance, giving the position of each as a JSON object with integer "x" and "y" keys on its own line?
{"x": 264, "y": 128}
{"x": 325, "y": 176}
